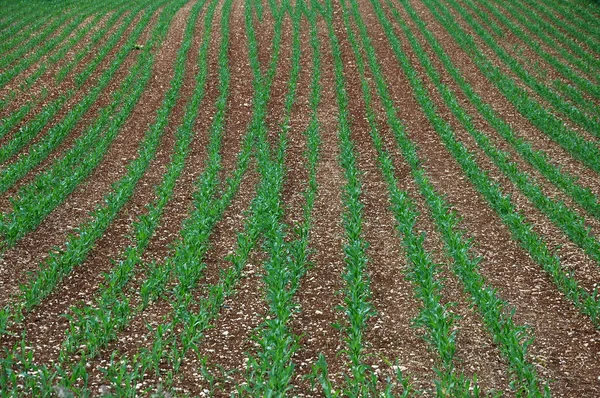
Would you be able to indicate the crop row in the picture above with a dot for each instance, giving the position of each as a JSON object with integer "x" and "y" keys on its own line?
{"x": 585, "y": 151}
{"x": 78, "y": 246}
{"x": 568, "y": 26}
{"x": 590, "y": 123}
{"x": 20, "y": 24}
{"x": 271, "y": 369}
{"x": 131, "y": 287}
{"x": 30, "y": 130}
{"x": 94, "y": 325}
{"x": 15, "y": 17}
{"x": 511, "y": 338}
{"x": 535, "y": 157}
{"x": 577, "y": 19}
{"x": 12, "y": 147}
{"x": 563, "y": 217}
{"x": 195, "y": 233}
{"x": 435, "y": 317}
{"x": 173, "y": 340}
{"x": 357, "y": 306}
{"x": 38, "y": 198}
{"x": 19, "y": 48}
{"x": 42, "y": 66}
{"x": 554, "y": 38}
{"x": 90, "y": 231}
{"x": 47, "y": 112}
{"x": 522, "y": 231}
{"x": 50, "y": 43}
{"x": 586, "y": 302}
{"x": 57, "y": 265}
{"x": 565, "y": 70}
{"x": 97, "y": 26}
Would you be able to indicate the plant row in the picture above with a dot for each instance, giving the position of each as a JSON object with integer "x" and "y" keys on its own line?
{"x": 27, "y": 58}
{"x": 59, "y": 264}
{"x": 576, "y": 19}
{"x": 44, "y": 115}
{"x": 94, "y": 325}
{"x": 581, "y": 82}
{"x": 590, "y": 123}
{"x": 436, "y": 318}
{"x": 103, "y": 216}
{"x": 58, "y": 58}
{"x": 571, "y": 223}
{"x": 54, "y": 50}
{"x": 271, "y": 369}
{"x": 357, "y": 306}
{"x": 35, "y": 200}
{"x": 501, "y": 203}
{"x": 554, "y": 38}
{"x": 585, "y": 151}
{"x": 78, "y": 246}
{"x": 24, "y": 20}
{"x": 174, "y": 339}
{"x": 567, "y": 24}
{"x": 536, "y": 158}
{"x": 512, "y": 339}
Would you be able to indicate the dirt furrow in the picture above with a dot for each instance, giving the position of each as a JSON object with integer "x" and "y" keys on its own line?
{"x": 55, "y": 91}
{"x": 88, "y": 117}
{"x": 490, "y": 94}
{"x": 19, "y": 83}
{"x": 497, "y": 62}
{"x": 46, "y": 82}
{"x": 317, "y": 294}
{"x": 528, "y": 56}
{"x": 566, "y": 343}
{"x": 237, "y": 118}
{"x": 534, "y": 64}
{"x": 84, "y": 280}
{"x": 475, "y": 354}
{"x": 35, "y": 247}
{"x": 482, "y": 125}
{"x": 585, "y": 267}
{"x": 225, "y": 347}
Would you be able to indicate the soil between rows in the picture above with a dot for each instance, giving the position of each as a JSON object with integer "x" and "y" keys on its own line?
{"x": 52, "y": 232}
{"x": 84, "y": 280}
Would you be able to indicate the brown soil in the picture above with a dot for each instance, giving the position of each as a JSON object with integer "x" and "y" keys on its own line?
{"x": 390, "y": 336}
{"x": 46, "y": 81}
{"x": 87, "y": 119}
{"x": 475, "y": 351}
{"x": 510, "y": 41}
{"x": 586, "y": 269}
{"x": 28, "y": 253}
{"x": 83, "y": 281}
{"x": 20, "y": 79}
{"x": 482, "y": 125}
{"x": 318, "y": 293}
{"x": 555, "y": 16}
{"x": 227, "y": 345}
{"x": 508, "y": 268}
{"x": 529, "y": 59}
{"x": 136, "y": 334}
{"x": 225, "y": 232}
